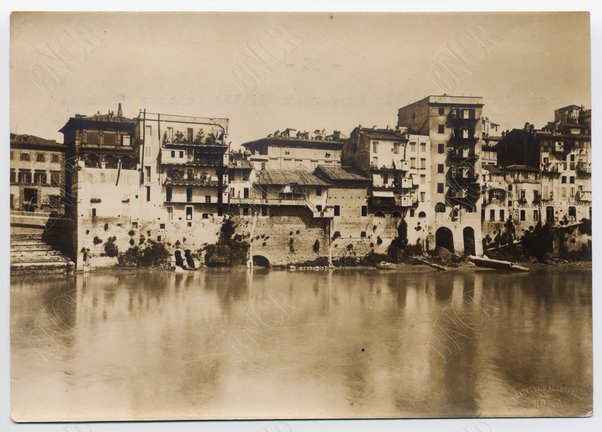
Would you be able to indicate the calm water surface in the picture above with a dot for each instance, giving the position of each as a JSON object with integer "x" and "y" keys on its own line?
{"x": 349, "y": 343}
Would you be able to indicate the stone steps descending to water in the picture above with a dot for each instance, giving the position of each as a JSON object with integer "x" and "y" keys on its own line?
{"x": 29, "y": 252}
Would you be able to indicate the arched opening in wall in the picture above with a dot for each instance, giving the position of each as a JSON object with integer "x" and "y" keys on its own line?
{"x": 396, "y": 214}
{"x": 439, "y": 208}
{"x": 92, "y": 161}
{"x": 111, "y": 162}
{"x": 379, "y": 214}
{"x": 189, "y": 260}
{"x": 422, "y": 214}
{"x": 128, "y": 163}
{"x": 178, "y": 257}
{"x": 572, "y": 213}
{"x": 469, "y": 242}
{"x": 260, "y": 261}
{"x": 549, "y": 214}
{"x": 445, "y": 239}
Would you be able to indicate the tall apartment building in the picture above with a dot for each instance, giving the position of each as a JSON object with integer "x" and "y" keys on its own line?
{"x": 455, "y": 129}
{"x": 399, "y": 166}
{"x": 184, "y": 165}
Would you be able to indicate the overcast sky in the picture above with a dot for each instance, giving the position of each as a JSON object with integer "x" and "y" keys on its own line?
{"x": 310, "y": 71}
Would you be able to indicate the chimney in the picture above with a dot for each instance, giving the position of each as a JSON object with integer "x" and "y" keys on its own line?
{"x": 336, "y": 135}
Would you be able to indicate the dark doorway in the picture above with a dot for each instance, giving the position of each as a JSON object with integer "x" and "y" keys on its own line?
{"x": 189, "y": 259}
{"x": 469, "y": 245}
{"x": 445, "y": 239}
{"x": 260, "y": 261}
{"x": 30, "y": 199}
{"x": 179, "y": 260}
{"x": 549, "y": 214}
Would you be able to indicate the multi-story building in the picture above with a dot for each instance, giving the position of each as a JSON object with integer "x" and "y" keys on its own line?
{"x": 454, "y": 126}
{"x": 560, "y": 154}
{"x": 294, "y": 150}
{"x": 37, "y": 173}
{"x": 184, "y": 165}
{"x": 491, "y": 137}
{"x": 101, "y": 153}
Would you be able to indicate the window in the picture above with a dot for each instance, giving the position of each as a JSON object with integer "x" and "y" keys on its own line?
{"x": 491, "y": 214}
{"x": 188, "y": 213}
{"x": 375, "y": 161}
{"x": 509, "y": 187}
{"x": 422, "y": 163}
{"x": 439, "y": 208}
{"x": 245, "y": 211}
{"x": 161, "y": 226}
{"x": 422, "y": 196}
{"x": 125, "y": 140}
{"x": 563, "y": 179}
{"x": 502, "y": 215}
{"x": 412, "y": 212}
{"x": 422, "y": 146}
{"x": 440, "y": 168}
{"x": 364, "y": 210}
{"x": 92, "y": 138}
{"x": 441, "y": 111}
{"x": 441, "y": 129}
{"x": 523, "y": 215}
{"x": 40, "y": 157}
{"x": 208, "y": 199}
{"x": 413, "y": 147}
{"x": 148, "y": 193}
{"x": 385, "y": 178}
{"x": 440, "y": 187}
{"x": 318, "y": 208}
{"x": 441, "y": 148}
{"x": 173, "y": 153}
{"x": 169, "y": 213}
{"x": 110, "y": 139}
{"x": 319, "y": 191}
{"x": 147, "y": 172}
{"x": 535, "y": 215}
{"x": 55, "y": 178}
{"x": 168, "y": 193}
{"x": 422, "y": 178}
{"x": 25, "y": 157}
{"x": 56, "y": 158}
{"x": 572, "y": 180}
{"x": 264, "y": 211}
{"x": 13, "y": 176}
{"x": 181, "y": 154}
{"x": 149, "y": 131}
{"x": 572, "y": 158}
{"x": 413, "y": 162}
{"x": 337, "y": 210}
{"x": 396, "y": 148}
{"x": 24, "y": 176}
{"x": 375, "y": 147}
{"x": 327, "y": 155}
{"x": 188, "y": 194}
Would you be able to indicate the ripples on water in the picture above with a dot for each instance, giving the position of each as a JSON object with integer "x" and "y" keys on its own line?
{"x": 349, "y": 343}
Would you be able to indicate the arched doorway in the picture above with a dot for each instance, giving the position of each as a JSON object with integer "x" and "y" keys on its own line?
{"x": 444, "y": 238}
{"x": 469, "y": 246}
{"x": 178, "y": 257}
{"x": 260, "y": 261}
{"x": 549, "y": 215}
{"x": 189, "y": 259}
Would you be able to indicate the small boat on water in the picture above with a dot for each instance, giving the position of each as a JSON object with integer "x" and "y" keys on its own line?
{"x": 384, "y": 265}
{"x": 496, "y": 264}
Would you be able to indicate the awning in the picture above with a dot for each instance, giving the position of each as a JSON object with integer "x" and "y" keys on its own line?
{"x": 383, "y": 194}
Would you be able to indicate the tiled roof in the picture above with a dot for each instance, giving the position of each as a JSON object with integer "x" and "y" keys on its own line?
{"x": 285, "y": 177}
{"x": 337, "y": 173}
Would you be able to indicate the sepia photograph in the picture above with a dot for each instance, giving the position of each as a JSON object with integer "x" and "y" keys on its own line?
{"x": 280, "y": 216}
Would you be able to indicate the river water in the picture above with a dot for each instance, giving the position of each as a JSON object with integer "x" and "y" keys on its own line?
{"x": 285, "y": 344}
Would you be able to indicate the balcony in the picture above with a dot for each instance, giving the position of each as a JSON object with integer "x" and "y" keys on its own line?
{"x": 401, "y": 166}
{"x": 458, "y": 116}
{"x": 461, "y": 155}
{"x": 463, "y": 137}
{"x": 198, "y": 162}
{"x": 467, "y": 175}
{"x": 193, "y": 200}
{"x": 199, "y": 180}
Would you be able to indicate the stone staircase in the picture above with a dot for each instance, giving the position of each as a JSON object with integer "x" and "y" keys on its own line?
{"x": 29, "y": 252}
